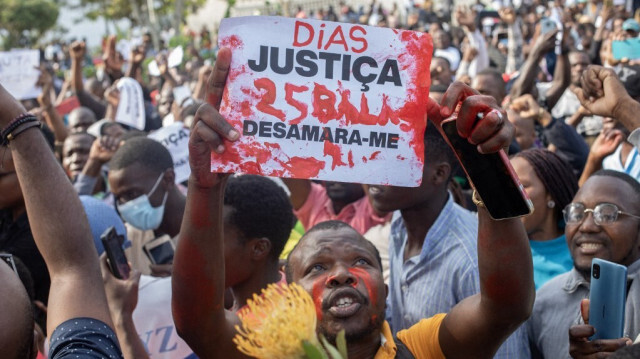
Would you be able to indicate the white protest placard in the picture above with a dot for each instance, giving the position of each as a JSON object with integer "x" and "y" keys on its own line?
{"x": 19, "y": 73}
{"x": 176, "y": 139}
{"x": 131, "y": 106}
{"x": 324, "y": 100}
{"x": 153, "y": 68}
{"x": 175, "y": 57}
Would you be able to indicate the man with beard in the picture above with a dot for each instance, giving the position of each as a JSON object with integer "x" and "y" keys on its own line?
{"x": 339, "y": 268}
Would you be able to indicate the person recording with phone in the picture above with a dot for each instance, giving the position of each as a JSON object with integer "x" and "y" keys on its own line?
{"x": 602, "y": 221}
{"x": 142, "y": 180}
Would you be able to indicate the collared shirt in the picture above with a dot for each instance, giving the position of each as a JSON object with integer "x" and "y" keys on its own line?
{"x": 318, "y": 208}
{"x": 557, "y": 308}
{"x": 421, "y": 340}
{"x": 443, "y": 274}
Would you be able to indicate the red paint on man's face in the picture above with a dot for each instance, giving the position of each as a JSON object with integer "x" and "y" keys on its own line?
{"x": 318, "y": 287}
{"x": 364, "y": 277}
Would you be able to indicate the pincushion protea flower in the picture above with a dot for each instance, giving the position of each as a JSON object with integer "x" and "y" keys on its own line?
{"x": 281, "y": 323}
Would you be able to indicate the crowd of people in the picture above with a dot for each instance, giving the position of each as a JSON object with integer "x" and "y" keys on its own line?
{"x": 420, "y": 272}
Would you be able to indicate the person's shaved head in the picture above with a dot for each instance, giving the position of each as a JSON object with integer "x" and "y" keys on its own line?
{"x": 16, "y": 320}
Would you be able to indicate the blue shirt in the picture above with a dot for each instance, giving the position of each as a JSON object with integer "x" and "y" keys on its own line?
{"x": 550, "y": 258}
{"x": 84, "y": 338}
{"x": 443, "y": 274}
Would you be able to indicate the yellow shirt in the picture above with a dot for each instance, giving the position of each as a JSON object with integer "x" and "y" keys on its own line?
{"x": 421, "y": 339}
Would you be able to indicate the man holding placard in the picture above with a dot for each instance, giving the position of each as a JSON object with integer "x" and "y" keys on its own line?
{"x": 325, "y": 260}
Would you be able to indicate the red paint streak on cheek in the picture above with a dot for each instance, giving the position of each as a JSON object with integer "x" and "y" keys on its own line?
{"x": 333, "y": 150}
{"x": 316, "y": 293}
{"x": 365, "y": 278}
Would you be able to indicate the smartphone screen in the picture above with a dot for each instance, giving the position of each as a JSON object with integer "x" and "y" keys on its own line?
{"x": 162, "y": 254}
{"x": 491, "y": 175}
{"x": 115, "y": 254}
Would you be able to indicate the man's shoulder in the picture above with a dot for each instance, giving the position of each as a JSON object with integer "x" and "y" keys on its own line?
{"x": 557, "y": 292}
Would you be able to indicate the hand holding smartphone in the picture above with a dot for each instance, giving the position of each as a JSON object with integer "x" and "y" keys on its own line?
{"x": 118, "y": 263}
{"x": 491, "y": 175}
{"x": 607, "y": 299}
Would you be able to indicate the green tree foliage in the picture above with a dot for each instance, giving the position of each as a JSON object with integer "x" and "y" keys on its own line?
{"x": 24, "y": 21}
{"x": 133, "y": 10}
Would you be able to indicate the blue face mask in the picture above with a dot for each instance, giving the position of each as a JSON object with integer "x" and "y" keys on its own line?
{"x": 139, "y": 213}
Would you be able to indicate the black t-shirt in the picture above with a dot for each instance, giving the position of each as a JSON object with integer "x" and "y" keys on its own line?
{"x": 16, "y": 238}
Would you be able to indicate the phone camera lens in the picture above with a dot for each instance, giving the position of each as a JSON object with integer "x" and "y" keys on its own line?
{"x": 596, "y": 271}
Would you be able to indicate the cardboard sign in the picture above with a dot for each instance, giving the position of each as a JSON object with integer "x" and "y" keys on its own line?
{"x": 131, "y": 106}
{"x": 176, "y": 139}
{"x": 19, "y": 73}
{"x": 323, "y": 100}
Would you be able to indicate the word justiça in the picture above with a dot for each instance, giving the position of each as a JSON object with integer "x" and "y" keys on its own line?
{"x": 307, "y": 63}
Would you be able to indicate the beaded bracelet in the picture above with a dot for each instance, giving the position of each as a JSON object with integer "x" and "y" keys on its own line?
{"x": 13, "y": 125}
{"x": 23, "y": 118}
{"x": 12, "y": 136}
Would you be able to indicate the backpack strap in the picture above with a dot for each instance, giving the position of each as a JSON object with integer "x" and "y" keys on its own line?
{"x": 402, "y": 351}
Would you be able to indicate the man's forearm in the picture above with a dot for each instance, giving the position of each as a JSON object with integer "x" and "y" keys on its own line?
{"x": 505, "y": 268}
{"x": 59, "y": 227}
{"x": 130, "y": 343}
{"x": 54, "y": 121}
{"x": 561, "y": 80}
{"x": 198, "y": 267}
{"x": 627, "y": 112}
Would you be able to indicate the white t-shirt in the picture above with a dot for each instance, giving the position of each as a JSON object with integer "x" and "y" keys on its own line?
{"x": 154, "y": 322}
{"x": 631, "y": 166}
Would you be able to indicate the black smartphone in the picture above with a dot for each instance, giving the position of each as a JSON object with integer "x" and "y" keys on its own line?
{"x": 491, "y": 175}
{"x": 118, "y": 263}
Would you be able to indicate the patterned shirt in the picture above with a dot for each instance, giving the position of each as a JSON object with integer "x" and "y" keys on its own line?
{"x": 443, "y": 274}
{"x": 84, "y": 338}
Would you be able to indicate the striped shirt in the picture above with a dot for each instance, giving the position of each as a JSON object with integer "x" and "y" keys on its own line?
{"x": 443, "y": 274}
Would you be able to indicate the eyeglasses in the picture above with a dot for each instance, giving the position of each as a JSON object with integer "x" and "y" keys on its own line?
{"x": 603, "y": 213}
{"x": 8, "y": 258}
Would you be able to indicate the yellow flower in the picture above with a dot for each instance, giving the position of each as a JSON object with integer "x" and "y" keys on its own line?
{"x": 275, "y": 323}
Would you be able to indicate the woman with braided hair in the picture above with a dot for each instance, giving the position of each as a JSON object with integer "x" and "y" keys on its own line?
{"x": 551, "y": 185}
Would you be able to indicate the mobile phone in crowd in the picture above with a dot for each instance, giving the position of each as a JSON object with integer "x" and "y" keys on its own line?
{"x": 491, "y": 175}
{"x": 118, "y": 263}
{"x": 160, "y": 250}
{"x": 607, "y": 299}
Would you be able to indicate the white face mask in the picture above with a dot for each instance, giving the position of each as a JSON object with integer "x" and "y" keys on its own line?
{"x": 139, "y": 213}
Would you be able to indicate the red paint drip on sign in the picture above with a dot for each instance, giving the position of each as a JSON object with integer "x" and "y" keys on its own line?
{"x": 333, "y": 150}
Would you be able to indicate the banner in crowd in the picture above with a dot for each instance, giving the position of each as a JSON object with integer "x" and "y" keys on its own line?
{"x": 176, "y": 139}
{"x": 325, "y": 100}
{"x": 19, "y": 73}
{"x": 131, "y": 106}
